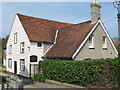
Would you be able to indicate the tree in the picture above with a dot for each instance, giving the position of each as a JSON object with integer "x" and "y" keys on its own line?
{"x": 4, "y": 42}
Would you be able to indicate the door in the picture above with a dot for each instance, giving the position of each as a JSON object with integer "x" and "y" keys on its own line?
{"x": 15, "y": 67}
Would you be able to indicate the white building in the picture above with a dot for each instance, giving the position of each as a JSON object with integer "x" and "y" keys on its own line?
{"x": 32, "y": 39}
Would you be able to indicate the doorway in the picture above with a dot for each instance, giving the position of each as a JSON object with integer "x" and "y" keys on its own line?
{"x": 15, "y": 67}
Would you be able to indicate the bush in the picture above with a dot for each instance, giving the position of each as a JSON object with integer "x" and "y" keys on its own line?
{"x": 85, "y": 73}
{"x": 39, "y": 77}
{"x": 73, "y": 72}
{"x": 3, "y": 71}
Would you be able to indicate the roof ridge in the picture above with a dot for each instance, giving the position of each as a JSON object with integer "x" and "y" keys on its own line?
{"x": 43, "y": 19}
{"x": 75, "y": 24}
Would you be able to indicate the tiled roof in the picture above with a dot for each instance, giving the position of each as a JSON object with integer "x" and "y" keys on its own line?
{"x": 116, "y": 43}
{"x": 39, "y": 29}
{"x": 69, "y": 39}
{"x": 70, "y": 36}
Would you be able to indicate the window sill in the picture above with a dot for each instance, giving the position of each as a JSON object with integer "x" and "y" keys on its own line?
{"x": 91, "y": 48}
{"x": 105, "y": 48}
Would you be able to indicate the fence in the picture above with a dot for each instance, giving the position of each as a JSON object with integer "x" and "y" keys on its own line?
{"x": 34, "y": 69}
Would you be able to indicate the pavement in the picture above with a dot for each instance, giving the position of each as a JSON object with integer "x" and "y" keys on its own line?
{"x": 44, "y": 85}
{"x": 29, "y": 83}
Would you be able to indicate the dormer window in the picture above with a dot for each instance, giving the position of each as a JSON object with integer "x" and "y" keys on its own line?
{"x": 39, "y": 44}
{"x": 91, "y": 44}
{"x": 104, "y": 42}
{"x": 15, "y": 38}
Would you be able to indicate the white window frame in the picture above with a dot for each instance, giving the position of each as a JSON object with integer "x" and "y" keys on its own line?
{"x": 10, "y": 62}
{"x": 38, "y": 44}
{"x": 22, "y": 64}
{"x": 22, "y": 47}
{"x": 104, "y": 43}
{"x": 10, "y": 49}
{"x": 15, "y": 38}
{"x": 91, "y": 41}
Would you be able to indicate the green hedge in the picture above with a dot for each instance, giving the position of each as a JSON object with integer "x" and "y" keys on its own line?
{"x": 86, "y": 73}
{"x": 73, "y": 72}
{"x": 39, "y": 77}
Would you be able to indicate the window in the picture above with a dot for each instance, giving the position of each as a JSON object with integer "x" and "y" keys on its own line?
{"x": 10, "y": 49}
{"x": 33, "y": 58}
{"x": 10, "y": 62}
{"x": 22, "y": 64}
{"x": 22, "y": 47}
{"x": 39, "y": 44}
{"x": 104, "y": 42}
{"x": 15, "y": 38}
{"x": 91, "y": 42}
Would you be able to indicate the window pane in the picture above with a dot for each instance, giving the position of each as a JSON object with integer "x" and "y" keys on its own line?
{"x": 39, "y": 44}
{"x": 22, "y": 47}
{"x": 22, "y": 64}
{"x": 10, "y": 63}
{"x": 22, "y": 44}
{"x": 91, "y": 41}
{"x": 104, "y": 42}
{"x": 15, "y": 38}
{"x": 33, "y": 58}
{"x": 10, "y": 49}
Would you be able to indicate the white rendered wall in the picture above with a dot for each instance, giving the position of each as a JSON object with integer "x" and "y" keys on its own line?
{"x": 35, "y": 50}
{"x": 16, "y": 55}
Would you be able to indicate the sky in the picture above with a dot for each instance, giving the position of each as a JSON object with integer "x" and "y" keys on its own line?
{"x": 69, "y": 12}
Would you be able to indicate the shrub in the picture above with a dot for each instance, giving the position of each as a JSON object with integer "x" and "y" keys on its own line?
{"x": 39, "y": 77}
{"x": 73, "y": 72}
{"x": 85, "y": 73}
{"x": 3, "y": 71}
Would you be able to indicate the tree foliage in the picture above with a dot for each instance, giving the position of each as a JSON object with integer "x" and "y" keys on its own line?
{"x": 4, "y": 41}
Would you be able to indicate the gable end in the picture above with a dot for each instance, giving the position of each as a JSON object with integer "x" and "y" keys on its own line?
{"x": 94, "y": 28}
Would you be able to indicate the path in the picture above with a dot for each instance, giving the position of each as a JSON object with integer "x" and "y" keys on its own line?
{"x": 44, "y": 85}
{"x": 29, "y": 83}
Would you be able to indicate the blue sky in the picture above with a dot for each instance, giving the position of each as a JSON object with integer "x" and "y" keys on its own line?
{"x": 70, "y": 12}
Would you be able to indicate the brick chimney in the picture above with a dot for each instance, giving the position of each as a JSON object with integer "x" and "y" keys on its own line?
{"x": 95, "y": 12}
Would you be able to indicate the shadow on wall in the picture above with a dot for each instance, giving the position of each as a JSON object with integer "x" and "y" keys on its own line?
{"x": 24, "y": 76}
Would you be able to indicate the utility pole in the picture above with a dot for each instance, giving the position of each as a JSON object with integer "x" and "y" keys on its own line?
{"x": 116, "y": 4}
